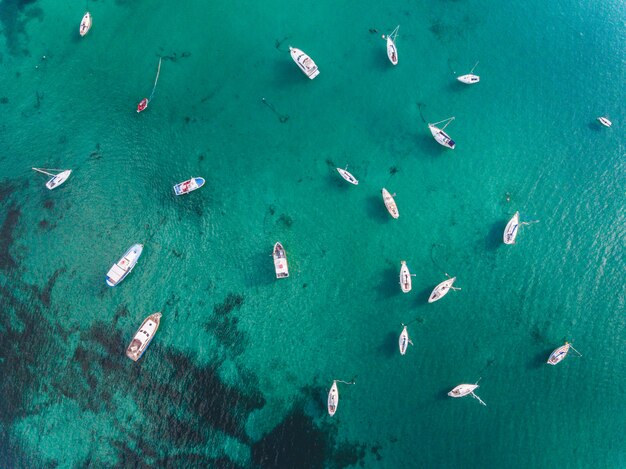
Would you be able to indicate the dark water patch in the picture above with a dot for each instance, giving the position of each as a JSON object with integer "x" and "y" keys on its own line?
{"x": 421, "y": 299}
{"x": 494, "y": 239}
{"x": 44, "y": 225}
{"x": 4, "y": 100}
{"x": 7, "y": 235}
{"x": 389, "y": 345}
{"x": 393, "y": 170}
{"x": 224, "y": 325}
{"x": 48, "y": 204}
{"x": 376, "y": 209}
{"x": 539, "y": 360}
{"x": 389, "y": 284}
{"x": 285, "y": 220}
{"x": 347, "y": 455}
{"x": 196, "y": 461}
{"x": 46, "y": 292}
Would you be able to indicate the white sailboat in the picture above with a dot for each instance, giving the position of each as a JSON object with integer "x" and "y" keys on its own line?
{"x": 510, "y": 232}
{"x": 404, "y": 341}
{"x": 333, "y": 396}
{"x": 57, "y": 179}
{"x": 440, "y": 136}
{"x": 442, "y": 290}
{"x": 604, "y": 121}
{"x": 392, "y": 51}
{"x": 405, "y": 277}
{"x": 85, "y": 24}
{"x": 348, "y": 176}
{"x": 463, "y": 390}
{"x": 470, "y": 78}
{"x": 392, "y": 208}
{"x": 305, "y": 62}
{"x": 560, "y": 353}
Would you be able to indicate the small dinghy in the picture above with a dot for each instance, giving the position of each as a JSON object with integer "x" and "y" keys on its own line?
{"x": 463, "y": 390}
{"x": 143, "y": 337}
{"x": 305, "y": 62}
{"x": 470, "y": 78}
{"x": 442, "y": 290}
{"x": 143, "y": 104}
{"x": 188, "y": 186}
{"x": 510, "y": 232}
{"x": 280, "y": 261}
{"x": 123, "y": 267}
{"x": 333, "y": 397}
{"x": 392, "y": 208}
{"x": 440, "y": 136}
{"x": 560, "y": 353}
{"x": 57, "y": 179}
{"x": 405, "y": 277}
{"x": 605, "y": 122}
{"x": 392, "y": 51}
{"x": 348, "y": 176}
{"x": 404, "y": 341}
{"x": 85, "y": 24}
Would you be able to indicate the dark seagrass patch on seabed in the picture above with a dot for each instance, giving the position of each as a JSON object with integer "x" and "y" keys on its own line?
{"x": 223, "y": 324}
{"x": 7, "y": 236}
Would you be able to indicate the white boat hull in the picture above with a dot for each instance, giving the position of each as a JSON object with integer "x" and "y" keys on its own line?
{"x": 605, "y": 122}
{"x": 306, "y": 63}
{"x": 59, "y": 179}
{"x": 559, "y": 354}
{"x": 510, "y": 232}
{"x": 403, "y": 341}
{"x": 143, "y": 337}
{"x": 333, "y": 399}
{"x": 441, "y": 137}
{"x": 469, "y": 79}
{"x": 463, "y": 390}
{"x": 85, "y": 24}
{"x": 392, "y": 52}
{"x": 124, "y": 266}
{"x": 348, "y": 176}
{"x": 392, "y": 208}
{"x": 405, "y": 278}
{"x": 280, "y": 261}
{"x": 441, "y": 290}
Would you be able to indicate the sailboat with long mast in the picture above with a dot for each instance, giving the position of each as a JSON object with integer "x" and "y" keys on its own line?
{"x": 57, "y": 179}
{"x": 440, "y": 136}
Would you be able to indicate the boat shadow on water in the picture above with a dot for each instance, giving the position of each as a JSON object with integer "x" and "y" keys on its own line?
{"x": 493, "y": 240}
{"x": 389, "y": 284}
{"x": 539, "y": 360}
{"x": 287, "y": 73}
{"x": 389, "y": 346}
{"x": 421, "y": 298}
{"x": 376, "y": 210}
{"x": 262, "y": 270}
{"x": 429, "y": 146}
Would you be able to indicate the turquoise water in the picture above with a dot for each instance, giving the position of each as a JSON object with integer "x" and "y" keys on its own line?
{"x": 238, "y": 372}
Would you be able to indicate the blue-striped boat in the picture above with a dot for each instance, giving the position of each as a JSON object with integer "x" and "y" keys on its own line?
{"x": 189, "y": 185}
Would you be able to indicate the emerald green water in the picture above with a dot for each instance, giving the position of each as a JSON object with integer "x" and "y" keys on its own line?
{"x": 238, "y": 372}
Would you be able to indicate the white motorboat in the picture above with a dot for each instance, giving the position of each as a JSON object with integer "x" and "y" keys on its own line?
{"x": 605, "y": 122}
{"x": 348, "y": 176}
{"x": 333, "y": 399}
{"x": 463, "y": 390}
{"x": 405, "y": 277}
{"x": 440, "y": 136}
{"x": 305, "y": 62}
{"x": 57, "y": 179}
{"x": 392, "y": 208}
{"x": 85, "y": 24}
{"x": 470, "y": 78}
{"x": 404, "y": 341}
{"x": 123, "y": 267}
{"x": 143, "y": 337}
{"x": 280, "y": 261}
{"x": 392, "y": 51}
{"x": 442, "y": 290}
{"x": 510, "y": 232}
{"x": 189, "y": 185}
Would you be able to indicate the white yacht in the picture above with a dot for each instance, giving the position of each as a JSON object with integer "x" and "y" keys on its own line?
{"x": 333, "y": 399}
{"x": 605, "y": 122}
{"x": 143, "y": 337}
{"x": 85, "y": 24}
{"x": 470, "y": 78}
{"x": 559, "y": 354}
{"x": 463, "y": 390}
{"x": 123, "y": 267}
{"x": 404, "y": 341}
{"x": 305, "y": 62}
{"x": 440, "y": 136}
{"x": 392, "y": 51}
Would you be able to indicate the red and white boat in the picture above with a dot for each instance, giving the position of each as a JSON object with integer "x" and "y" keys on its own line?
{"x": 143, "y": 104}
{"x": 189, "y": 185}
{"x": 392, "y": 51}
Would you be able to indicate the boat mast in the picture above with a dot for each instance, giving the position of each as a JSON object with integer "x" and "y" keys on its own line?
{"x": 472, "y": 70}
{"x": 44, "y": 172}
{"x": 448, "y": 120}
{"x": 478, "y": 398}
